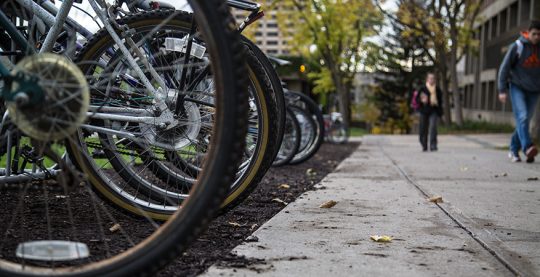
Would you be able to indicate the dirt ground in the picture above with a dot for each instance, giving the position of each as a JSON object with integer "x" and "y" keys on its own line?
{"x": 37, "y": 211}
{"x": 233, "y": 227}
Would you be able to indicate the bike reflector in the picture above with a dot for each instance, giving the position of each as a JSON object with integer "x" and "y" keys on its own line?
{"x": 52, "y": 250}
{"x": 180, "y": 45}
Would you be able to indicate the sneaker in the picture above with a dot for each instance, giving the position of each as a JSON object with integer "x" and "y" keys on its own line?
{"x": 531, "y": 152}
{"x": 514, "y": 157}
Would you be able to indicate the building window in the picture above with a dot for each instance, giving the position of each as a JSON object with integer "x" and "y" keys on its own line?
{"x": 258, "y": 34}
{"x": 502, "y": 21}
{"x": 494, "y": 28}
{"x": 483, "y": 99}
{"x": 272, "y": 34}
{"x": 536, "y": 9}
{"x": 271, "y": 25}
{"x": 485, "y": 29}
{"x": 284, "y": 42}
{"x": 273, "y": 51}
{"x": 466, "y": 94}
{"x": 513, "y": 15}
{"x": 285, "y": 52}
{"x": 272, "y": 42}
{"x": 525, "y": 10}
{"x": 491, "y": 96}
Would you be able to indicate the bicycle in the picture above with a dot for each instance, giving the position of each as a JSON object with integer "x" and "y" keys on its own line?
{"x": 27, "y": 253}
{"x": 335, "y": 129}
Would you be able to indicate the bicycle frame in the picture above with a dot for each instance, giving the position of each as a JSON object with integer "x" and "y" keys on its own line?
{"x": 58, "y": 20}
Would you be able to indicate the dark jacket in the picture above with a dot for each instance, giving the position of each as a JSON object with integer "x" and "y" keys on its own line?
{"x": 522, "y": 71}
{"x": 427, "y": 108}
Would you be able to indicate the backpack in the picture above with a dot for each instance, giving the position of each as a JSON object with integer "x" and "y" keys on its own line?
{"x": 519, "y": 49}
{"x": 414, "y": 104}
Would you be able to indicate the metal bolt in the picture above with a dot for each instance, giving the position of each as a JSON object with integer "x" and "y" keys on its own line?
{"x": 21, "y": 99}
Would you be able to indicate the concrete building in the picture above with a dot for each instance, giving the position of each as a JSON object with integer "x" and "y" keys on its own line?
{"x": 267, "y": 34}
{"x": 500, "y": 22}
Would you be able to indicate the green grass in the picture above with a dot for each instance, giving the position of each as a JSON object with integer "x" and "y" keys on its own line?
{"x": 357, "y": 132}
{"x": 476, "y": 127}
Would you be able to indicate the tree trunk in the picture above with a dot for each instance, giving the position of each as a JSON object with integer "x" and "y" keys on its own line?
{"x": 447, "y": 117}
{"x": 344, "y": 103}
{"x": 342, "y": 91}
{"x": 458, "y": 111}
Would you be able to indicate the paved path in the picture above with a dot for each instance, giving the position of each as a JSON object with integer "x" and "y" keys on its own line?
{"x": 488, "y": 225}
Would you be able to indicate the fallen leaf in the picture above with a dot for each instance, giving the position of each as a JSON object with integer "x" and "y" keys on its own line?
{"x": 464, "y": 168}
{"x": 504, "y": 174}
{"x": 115, "y": 228}
{"x": 235, "y": 224}
{"x": 284, "y": 186}
{"x": 279, "y": 201}
{"x": 254, "y": 226}
{"x": 378, "y": 238}
{"x": 311, "y": 172}
{"x": 532, "y": 179}
{"x": 436, "y": 199}
{"x": 328, "y": 204}
{"x": 252, "y": 239}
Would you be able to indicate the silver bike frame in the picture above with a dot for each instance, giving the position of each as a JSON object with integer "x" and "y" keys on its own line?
{"x": 56, "y": 24}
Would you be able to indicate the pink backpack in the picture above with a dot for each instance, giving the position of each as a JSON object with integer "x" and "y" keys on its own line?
{"x": 415, "y": 105}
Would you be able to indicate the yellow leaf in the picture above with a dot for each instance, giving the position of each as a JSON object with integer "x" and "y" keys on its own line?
{"x": 328, "y": 204}
{"x": 115, "y": 228}
{"x": 436, "y": 199}
{"x": 284, "y": 186}
{"x": 279, "y": 201}
{"x": 378, "y": 238}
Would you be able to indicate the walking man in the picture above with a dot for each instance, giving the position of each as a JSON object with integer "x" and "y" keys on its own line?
{"x": 520, "y": 75}
{"x": 430, "y": 99}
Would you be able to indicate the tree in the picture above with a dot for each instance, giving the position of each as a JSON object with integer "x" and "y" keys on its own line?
{"x": 449, "y": 26}
{"x": 400, "y": 64}
{"x": 331, "y": 32}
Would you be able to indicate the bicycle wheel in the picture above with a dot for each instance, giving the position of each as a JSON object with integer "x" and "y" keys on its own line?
{"x": 173, "y": 173}
{"x": 258, "y": 154}
{"x": 44, "y": 226}
{"x": 307, "y": 104}
{"x": 291, "y": 140}
{"x": 278, "y": 95}
{"x": 308, "y": 131}
{"x": 338, "y": 134}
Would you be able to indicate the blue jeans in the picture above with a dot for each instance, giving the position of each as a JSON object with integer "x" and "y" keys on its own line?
{"x": 523, "y": 105}
{"x": 428, "y": 126}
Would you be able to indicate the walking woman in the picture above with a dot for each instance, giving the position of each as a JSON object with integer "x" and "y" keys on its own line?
{"x": 430, "y": 98}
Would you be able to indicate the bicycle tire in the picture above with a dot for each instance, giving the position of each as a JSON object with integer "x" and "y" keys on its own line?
{"x": 170, "y": 239}
{"x": 279, "y": 95}
{"x": 291, "y": 140}
{"x": 106, "y": 186}
{"x": 257, "y": 164}
{"x": 311, "y": 106}
{"x": 308, "y": 131}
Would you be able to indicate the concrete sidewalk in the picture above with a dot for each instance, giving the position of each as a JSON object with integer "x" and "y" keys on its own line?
{"x": 488, "y": 225}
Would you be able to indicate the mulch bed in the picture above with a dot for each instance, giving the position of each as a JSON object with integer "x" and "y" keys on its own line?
{"x": 37, "y": 211}
{"x": 232, "y": 228}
